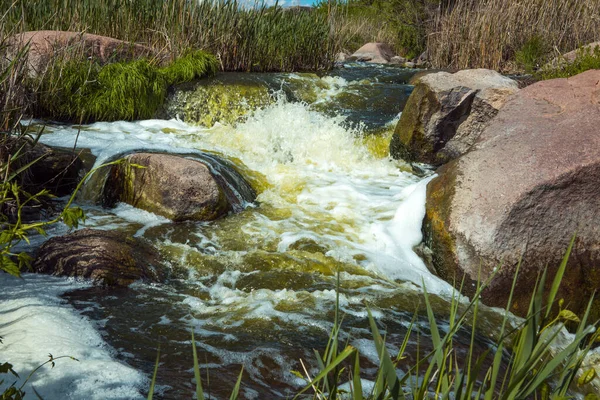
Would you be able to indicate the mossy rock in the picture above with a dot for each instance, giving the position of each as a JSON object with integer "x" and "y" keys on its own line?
{"x": 217, "y": 101}
{"x": 169, "y": 185}
{"x": 446, "y": 113}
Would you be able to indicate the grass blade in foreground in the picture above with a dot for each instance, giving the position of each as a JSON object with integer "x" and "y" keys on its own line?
{"x": 151, "y": 391}
{"x": 199, "y": 391}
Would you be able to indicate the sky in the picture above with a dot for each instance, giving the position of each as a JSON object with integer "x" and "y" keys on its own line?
{"x": 294, "y": 2}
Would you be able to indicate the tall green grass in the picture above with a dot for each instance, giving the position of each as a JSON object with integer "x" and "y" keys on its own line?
{"x": 257, "y": 38}
{"x": 81, "y": 91}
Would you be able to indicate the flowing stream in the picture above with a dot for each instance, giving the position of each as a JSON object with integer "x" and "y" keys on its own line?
{"x": 257, "y": 287}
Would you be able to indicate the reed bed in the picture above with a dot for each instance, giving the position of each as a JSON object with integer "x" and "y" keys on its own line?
{"x": 243, "y": 38}
{"x": 490, "y": 33}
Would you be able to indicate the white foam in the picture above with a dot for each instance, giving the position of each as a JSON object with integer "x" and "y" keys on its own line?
{"x": 36, "y": 322}
{"x": 335, "y": 192}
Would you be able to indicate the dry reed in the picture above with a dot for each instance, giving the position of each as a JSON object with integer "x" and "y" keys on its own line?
{"x": 488, "y": 33}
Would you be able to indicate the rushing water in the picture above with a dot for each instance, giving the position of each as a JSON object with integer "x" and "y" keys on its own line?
{"x": 257, "y": 287}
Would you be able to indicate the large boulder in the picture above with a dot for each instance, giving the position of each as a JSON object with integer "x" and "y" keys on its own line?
{"x": 45, "y": 45}
{"x": 109, "y": 258}
{"x": 169, "y": 185}
{"x": 529, "y": 184}
{"x": 379, "y": 53}
{"x": 446, "y": 113}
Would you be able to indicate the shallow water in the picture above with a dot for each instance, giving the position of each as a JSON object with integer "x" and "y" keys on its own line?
{"x": 257, "y": 287}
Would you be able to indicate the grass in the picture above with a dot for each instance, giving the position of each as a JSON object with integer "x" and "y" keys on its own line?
{"x": 523, "y": 364}
{"x": 472, "y": 35}
{"x": 244, "y": 39}
{"x": 586, "y": 59}
{"x": 80, "y": 91}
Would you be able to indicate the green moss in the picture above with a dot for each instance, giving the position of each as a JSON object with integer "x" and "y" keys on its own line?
{"x": 76, "y": 90}
{"x": 218, "y": 102}
{"x": 409, "y": 142}
{"x": 440, "y": 192}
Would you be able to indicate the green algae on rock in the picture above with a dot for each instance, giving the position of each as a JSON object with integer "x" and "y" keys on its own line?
{"x": 218, "y": 101}
{"x": 172, "y": 186}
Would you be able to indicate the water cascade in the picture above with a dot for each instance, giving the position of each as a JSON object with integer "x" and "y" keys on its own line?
{"x": 258, "y": 286}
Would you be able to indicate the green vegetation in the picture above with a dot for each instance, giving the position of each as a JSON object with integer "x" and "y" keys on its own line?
{"x": 532, "y": 55}
{"x": 525, "y": 362}
{"x": 586, "y": 59}
{"x": 244, "y": 39}
{"x": 82, "y": 91}
{"x": 400, "y": 23}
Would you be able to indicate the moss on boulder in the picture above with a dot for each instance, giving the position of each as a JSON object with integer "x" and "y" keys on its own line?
{"x": 446, "y": 113}
{"x": 172, "y": 186}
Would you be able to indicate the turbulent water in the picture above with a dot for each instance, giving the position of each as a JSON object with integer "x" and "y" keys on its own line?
{"x": 257, "y": 287}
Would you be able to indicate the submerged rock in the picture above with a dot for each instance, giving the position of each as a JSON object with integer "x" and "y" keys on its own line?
{"x": 45, "y": 45}
{"x": 379, "y": 53}
{"x": 169, "y": 185}
{"x": 109, "y": 258}
{"x": 227, "y": 99}
{"x": 446, "y": 113}
{"x": 528, "y": 185}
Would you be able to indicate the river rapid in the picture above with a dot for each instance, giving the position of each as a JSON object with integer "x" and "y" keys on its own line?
{"x": 258, "y": 287}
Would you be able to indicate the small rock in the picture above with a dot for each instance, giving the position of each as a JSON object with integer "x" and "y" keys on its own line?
{"x": 397, "y": 60}
{"x": 109, "y": 258}
{"x": 409, "y": 64}
{"x": 341, "y": 57}
{"x": 45, "y": 45}
{"x": 379, "y": 53}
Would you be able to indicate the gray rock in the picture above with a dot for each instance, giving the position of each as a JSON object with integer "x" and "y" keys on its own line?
{"x": 409, "y": 64}
{"x": 169, "y": 185}
{"x": 446, "y": 113}
{"x": 398, "y": 60}
{"x": 341, "y": 57}
{"x": 379, "y": 53}
{"x": 526, "y": 187}
{"x": 109, "y": 258}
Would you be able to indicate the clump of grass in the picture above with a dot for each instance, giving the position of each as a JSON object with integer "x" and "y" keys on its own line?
{"x": 533, "y": 54}
{"x": 83, "y": 90}
{"x": 192, "y": 66}
{"x": 586, "y": 59}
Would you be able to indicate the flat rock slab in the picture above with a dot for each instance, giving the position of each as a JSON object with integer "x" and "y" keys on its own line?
{"x": 530, "y": 183}
{"x": 109, "y": 258}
